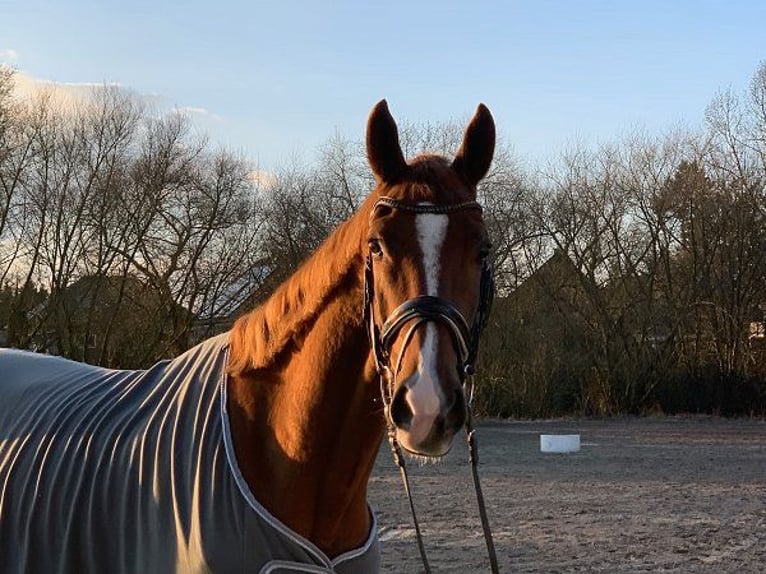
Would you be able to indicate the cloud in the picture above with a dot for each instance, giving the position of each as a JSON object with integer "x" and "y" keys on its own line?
{"x": 196, "y": 111}
{"x": 69, "y": 96}
{"x": 262, "y": 179}
{"x": 8, "y": 55}
{"x": 63, "y": 95}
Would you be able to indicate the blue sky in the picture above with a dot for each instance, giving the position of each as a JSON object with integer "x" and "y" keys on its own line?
{"x": 279, "y": 78}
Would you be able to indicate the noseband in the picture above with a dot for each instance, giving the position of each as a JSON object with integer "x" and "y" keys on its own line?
{"x": 416, "y": 312}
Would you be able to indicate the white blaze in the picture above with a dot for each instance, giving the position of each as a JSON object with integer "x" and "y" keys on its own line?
{"x": 431, "y": 228}
{"x": 425, "y": 397}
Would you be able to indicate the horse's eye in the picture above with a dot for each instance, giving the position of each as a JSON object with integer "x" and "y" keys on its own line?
{"x": 375, "y": 247}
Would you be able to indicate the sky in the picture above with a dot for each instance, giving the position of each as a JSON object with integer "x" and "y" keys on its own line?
{"x": 274, "y": 80}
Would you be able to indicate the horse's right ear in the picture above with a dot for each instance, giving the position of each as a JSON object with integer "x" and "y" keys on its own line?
{"x": 383, "y": 150}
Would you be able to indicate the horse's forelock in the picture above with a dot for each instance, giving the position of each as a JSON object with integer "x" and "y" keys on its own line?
{"x": 432, "y": 179}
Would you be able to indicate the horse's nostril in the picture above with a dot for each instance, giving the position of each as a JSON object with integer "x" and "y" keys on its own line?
{"x": 401, "y": 413}
{"x": 456, "y": 414}
{"x": 455, "y": 398}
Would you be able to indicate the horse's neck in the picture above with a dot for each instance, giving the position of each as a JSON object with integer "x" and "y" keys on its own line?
{"x": 306, "y": 425}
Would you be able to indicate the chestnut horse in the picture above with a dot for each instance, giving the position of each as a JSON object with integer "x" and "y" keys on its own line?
{"x": 253, "y": 450}
{"x": 305, "y": 403}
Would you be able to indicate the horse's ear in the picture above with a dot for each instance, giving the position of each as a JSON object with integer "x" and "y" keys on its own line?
{"x": 383, "y": 150}
{"x": 475, "y": 154}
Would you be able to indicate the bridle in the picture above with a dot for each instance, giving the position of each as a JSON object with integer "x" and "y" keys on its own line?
{"x": 465, "y": 339}
{"x": 427, "y": 307}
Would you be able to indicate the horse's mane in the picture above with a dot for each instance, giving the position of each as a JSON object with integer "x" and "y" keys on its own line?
{"x": 258, "y": 337}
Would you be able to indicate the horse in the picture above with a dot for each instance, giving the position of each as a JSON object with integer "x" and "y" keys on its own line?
{"x": 252, "y": 451}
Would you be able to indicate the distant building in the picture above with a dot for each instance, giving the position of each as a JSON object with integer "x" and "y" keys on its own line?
{"x": 111, "y": 320}
{"x": 233, "y": 300}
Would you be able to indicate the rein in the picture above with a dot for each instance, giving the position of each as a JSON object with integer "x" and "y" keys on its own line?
{"x": 418, "y": 311}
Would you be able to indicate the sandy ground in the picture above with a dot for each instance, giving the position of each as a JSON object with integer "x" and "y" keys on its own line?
{"x": 643, "y": 495}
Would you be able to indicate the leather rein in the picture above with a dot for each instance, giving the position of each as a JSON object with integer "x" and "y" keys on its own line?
{"x": 465, "y": 339}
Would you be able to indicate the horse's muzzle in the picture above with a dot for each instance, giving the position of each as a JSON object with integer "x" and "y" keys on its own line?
{"x": 427, "y": 423}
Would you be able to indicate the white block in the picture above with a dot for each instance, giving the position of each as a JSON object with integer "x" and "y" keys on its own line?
{"x": 560, "y": 443}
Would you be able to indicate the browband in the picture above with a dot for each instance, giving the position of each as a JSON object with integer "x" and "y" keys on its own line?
{"x": 426, "y": 207}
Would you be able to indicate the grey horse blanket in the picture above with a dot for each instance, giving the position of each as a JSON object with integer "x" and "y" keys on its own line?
{"x": 105, "y": 471}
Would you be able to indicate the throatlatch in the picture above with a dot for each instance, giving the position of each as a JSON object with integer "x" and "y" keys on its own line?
{"x": 415, "y": 312}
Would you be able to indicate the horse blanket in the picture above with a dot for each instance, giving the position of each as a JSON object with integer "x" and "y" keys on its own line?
{"x": 134, "y": 471}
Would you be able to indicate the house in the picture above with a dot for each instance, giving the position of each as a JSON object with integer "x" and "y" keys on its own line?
{"x": 111, "y": 320}
{"x": 229, "y": 302}
{"x": 536, "y": 347}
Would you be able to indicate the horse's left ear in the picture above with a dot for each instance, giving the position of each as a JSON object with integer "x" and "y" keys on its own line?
{"x": 475, "y": 154}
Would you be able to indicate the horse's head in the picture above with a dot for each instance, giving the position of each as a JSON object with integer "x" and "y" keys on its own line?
{"x": 428, "y": 282}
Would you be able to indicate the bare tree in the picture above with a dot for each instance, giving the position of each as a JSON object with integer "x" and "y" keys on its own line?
{"x": 17, "y": 135}
{"x": 129, "y": 224}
